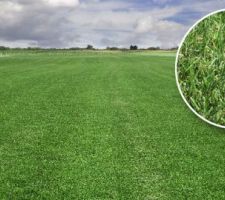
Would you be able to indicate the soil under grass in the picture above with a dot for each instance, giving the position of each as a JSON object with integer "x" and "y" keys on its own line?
{"x": 201, "y": 68}
{"x": 102, "y": 126}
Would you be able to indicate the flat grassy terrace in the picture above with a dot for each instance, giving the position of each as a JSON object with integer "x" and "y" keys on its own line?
{"x": 97, "y": 125}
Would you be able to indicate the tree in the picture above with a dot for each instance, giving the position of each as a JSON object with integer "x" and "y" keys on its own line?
{"x": 4, "y": 48}
{"x": 75, "y": 48}
{"x": 174, "y": 48}
{"x": 112, "y": 48}
{"x": 154, "y": 48}
{"x": 135, "y": 47}
{"x": 90, "y": 47}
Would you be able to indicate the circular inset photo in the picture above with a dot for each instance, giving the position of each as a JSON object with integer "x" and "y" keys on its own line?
{"x": 200, "y": 68}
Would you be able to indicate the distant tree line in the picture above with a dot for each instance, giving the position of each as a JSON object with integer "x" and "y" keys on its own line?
{"x": 89, "y": 47}
{"x": 4, "y": 48}
{"x": 154, "y": 48}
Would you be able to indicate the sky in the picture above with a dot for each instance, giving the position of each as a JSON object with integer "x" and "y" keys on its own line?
{"x": 101, "y": 23}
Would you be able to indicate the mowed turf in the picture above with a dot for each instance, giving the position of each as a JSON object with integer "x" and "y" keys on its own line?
{"x": 86, "y": 125}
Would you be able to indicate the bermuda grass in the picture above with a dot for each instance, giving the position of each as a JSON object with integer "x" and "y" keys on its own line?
{"x": 201, "y": 68}
{"x": 86, "y": 125}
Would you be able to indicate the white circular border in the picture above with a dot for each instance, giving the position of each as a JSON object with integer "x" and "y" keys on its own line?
{"x": 176, "y": 72}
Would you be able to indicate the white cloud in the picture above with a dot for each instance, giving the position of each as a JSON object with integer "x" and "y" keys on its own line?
{"x": 145, "y": 24}
{"x": 107, "y": 27}
{"x": 8, "y": 14}
{"x": 68, "y": 23}
{"x": 64, "y": 3}
{"x": 20, "y": 43}
{"x": 7, "y": 5}
{"x": 167, "y": 33}
{"x": 97, "y": 5}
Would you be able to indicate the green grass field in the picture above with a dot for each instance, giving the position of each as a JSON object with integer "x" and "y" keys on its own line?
{"x": 95, "y": 125}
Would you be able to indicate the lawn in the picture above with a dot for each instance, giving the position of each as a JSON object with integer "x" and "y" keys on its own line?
{"x": 97, "y": 125}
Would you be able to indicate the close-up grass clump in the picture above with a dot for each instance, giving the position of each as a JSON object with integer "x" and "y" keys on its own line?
{"x": 201, "y": 68}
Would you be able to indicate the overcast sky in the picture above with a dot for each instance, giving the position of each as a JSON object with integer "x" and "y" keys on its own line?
{"x": 73, "y": 23}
